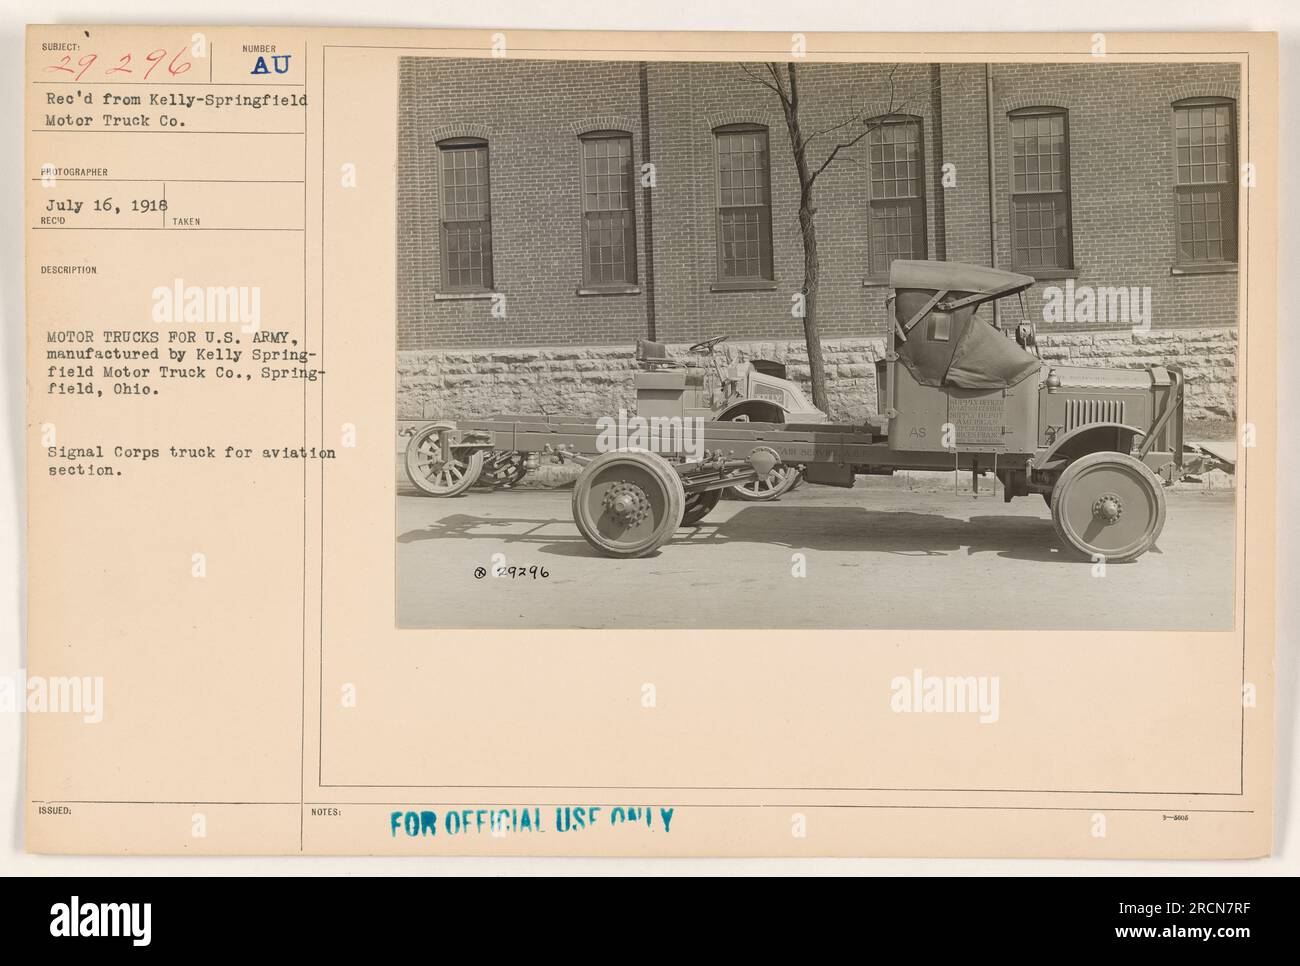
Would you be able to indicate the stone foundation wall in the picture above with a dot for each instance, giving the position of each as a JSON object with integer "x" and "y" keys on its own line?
{"x": 597, "y": 380}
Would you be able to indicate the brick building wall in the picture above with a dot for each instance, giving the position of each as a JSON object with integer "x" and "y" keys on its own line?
{"x": 1120, "y": 126}
{"x": 697, "y": 98}
{"x": 1121, "y": 153}
{"x": 531, "y": 114}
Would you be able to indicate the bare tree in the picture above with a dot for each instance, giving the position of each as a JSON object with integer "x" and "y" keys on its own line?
{"x": 783, "y": 81}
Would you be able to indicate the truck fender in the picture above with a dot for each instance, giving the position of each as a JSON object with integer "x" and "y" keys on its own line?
{"x": 757, "y": 410}
{"x": 1089, "y": 438}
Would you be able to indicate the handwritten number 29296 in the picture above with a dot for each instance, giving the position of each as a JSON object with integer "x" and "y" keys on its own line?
{"x": 175, "y": 66}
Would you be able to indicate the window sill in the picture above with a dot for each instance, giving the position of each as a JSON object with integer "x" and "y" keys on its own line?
{"x": 610, "y": 290}
{"x": 1048, "y": 274}
{"x": 1206, "y": 268}
{"x": 763, "y": 285}
{"x": 875, "y": 283}
{"x": 461, "y": 296}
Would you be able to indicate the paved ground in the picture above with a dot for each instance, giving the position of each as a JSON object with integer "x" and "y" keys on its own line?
{"x": 890, "y": 553}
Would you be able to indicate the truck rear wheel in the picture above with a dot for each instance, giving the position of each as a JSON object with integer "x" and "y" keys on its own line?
{"x": 503, "y": 468}
{"x": 699, "y": 505}
{"x": 628, "y": 503}
{"x": 1108, "y": 505}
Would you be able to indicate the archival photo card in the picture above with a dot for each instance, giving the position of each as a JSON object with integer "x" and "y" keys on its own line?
{"x": 501, "y": 442}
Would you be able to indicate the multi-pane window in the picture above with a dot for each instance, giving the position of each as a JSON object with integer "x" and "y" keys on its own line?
{"x": 1040, "y": 190}
{"x": 1204, "y": 145}
{"x": 608, "y": 210}
{"x": 897, "y": 192}
{"x": 466, "y": 215}
{"x": 744, "y": 204}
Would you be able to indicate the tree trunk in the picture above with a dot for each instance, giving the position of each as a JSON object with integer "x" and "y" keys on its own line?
{"x": 808, "y": 230}
{"x": 811, "y": 270}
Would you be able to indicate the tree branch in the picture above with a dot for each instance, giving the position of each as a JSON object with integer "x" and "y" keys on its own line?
{"x": 837, "y": 149}
{"x": 759, "y": 80}
{"x": 832, "y": 129}
{"x": 893, "y": 106}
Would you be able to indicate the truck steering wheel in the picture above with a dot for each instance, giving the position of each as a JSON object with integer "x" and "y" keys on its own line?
{"x": 708, "y": 344}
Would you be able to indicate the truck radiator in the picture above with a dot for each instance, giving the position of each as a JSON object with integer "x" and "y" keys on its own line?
{"x": 1080, "y": 412}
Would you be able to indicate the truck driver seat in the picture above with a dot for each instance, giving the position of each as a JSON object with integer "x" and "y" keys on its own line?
{"x": 652, "y": 354}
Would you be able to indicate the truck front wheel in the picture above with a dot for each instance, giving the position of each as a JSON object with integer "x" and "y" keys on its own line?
{"x": 1108, "y": 505}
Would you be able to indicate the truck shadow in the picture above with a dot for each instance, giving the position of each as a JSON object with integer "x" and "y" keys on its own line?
{"x": 896, "y": 532}
{"x": 851, "y": 529}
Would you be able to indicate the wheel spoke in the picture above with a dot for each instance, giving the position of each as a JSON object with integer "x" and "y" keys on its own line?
{"x": 435, "y": 475}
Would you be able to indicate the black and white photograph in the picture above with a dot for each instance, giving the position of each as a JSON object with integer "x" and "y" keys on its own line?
{"x": 871, "y": 345}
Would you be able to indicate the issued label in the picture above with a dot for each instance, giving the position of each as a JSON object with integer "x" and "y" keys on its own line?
{"x": 978, "y": 420}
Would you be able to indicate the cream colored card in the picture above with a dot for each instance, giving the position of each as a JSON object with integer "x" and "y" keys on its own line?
{"x": 289, "y": 288}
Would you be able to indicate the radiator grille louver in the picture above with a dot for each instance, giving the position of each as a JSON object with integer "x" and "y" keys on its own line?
{"x": 1080, "y": 412}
